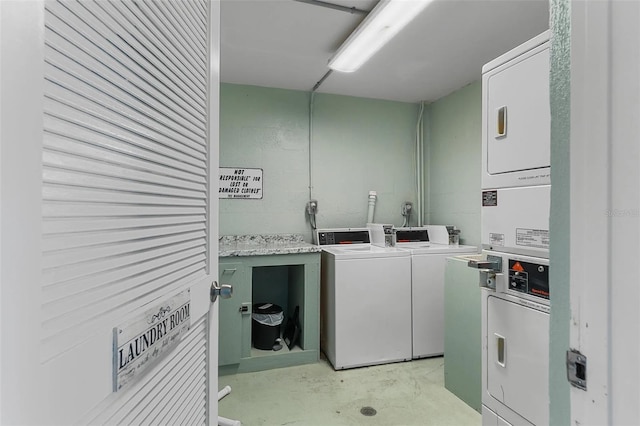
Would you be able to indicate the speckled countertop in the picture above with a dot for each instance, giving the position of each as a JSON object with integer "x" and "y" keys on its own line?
{"x": 263, "y": 245}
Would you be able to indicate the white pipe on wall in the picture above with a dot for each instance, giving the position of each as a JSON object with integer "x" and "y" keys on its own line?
{"x": 373, "y": 196}
{"x": 420, "y": 165}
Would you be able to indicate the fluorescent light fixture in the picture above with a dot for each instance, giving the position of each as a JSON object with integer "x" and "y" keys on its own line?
{"x": 380, "y": 26}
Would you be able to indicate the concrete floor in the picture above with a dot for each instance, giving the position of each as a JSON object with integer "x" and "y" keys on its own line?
{"x": 406, "y": 393}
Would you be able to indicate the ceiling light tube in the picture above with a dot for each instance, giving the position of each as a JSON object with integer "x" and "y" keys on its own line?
{"x": 380, "y": 26}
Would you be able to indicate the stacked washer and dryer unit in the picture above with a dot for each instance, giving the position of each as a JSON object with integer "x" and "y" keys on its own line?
{"x": 514, "y": 272}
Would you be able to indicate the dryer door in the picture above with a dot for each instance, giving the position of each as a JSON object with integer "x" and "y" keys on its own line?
{"x": 518, "y": 115}
{"x": 518, "y": 358}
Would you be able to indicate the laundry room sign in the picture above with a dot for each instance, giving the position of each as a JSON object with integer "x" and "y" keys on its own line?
{"x": 140, "y": 342}
{"x": 240, "y": 183}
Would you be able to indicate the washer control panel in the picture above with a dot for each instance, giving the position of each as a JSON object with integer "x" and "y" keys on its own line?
{"x": 329, "y": 237}
{"x": 529, "y": 278}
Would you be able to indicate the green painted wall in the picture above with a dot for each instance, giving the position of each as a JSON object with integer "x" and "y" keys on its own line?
{"x": 559, "y": 393}
{"x": 453, "y": 134}
{"x": 267, "y": 129}
{"x": 358, "y": 145}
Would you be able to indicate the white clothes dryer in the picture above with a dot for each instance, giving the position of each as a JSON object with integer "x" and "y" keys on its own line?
{"x": 428, "y": 261}
{"x": 365, "y": 301}
{"x": 515, "y": 343}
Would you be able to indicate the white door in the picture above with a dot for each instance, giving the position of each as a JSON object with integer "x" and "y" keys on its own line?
{"x": 605, "y": 209}
{"x": 108, "y": 158}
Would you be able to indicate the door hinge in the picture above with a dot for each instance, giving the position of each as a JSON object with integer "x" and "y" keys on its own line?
{"x": 577, "y": 369}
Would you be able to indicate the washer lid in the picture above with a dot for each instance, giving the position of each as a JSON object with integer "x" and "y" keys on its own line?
{"x": 364, "y": 251}
{"x": 434, "y": 248}
{"x": 415, "y": 245}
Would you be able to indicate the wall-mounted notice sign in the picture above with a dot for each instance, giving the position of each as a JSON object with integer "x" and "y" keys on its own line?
{"x": 240, "y": 183}
{"x": 140, "y": 342}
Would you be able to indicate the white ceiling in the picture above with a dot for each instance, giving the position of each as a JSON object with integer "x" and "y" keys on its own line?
{"x": 286, "y": 44}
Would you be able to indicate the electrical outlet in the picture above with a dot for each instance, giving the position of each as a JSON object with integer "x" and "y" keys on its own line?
{"x": 245, "y": 308}
{"x": 407, "y": 207}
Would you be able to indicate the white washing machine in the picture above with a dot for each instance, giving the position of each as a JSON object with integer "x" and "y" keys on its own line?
{"x": 428, "y": 261}
{"x": 365, "y": 300}
{"x": 515, "y": 344}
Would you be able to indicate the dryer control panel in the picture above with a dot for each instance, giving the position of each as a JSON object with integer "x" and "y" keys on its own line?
{"x": 529, "y": 278}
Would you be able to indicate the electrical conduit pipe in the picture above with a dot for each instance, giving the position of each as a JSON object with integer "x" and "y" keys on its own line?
{"x": 420, "y": 164}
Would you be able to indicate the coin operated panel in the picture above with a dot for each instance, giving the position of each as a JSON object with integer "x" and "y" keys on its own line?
{"x": 529, "y": 278}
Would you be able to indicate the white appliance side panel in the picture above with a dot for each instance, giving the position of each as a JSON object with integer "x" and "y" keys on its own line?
{"x": 519, "y": 221}
{"x": 427, "y": 303}
{"x": 372, "y": 311}
{"x": 503, "y": 422}
{"x": 517, "y": 94}
{"x": 519, "y": 378}
{"x": 489, "y": 418}
{"x": 327, "y": 306}
{"x": 485, "y": 294}
{"x": 427, "y": 299}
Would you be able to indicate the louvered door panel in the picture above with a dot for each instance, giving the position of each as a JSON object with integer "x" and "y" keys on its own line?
{"x": 125, "y": 187}
{"x": 130, "y": 56}
{"x": 110, "y": 149}
{"x": 76, "y": 111}
{"x": 90, "y": 94}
